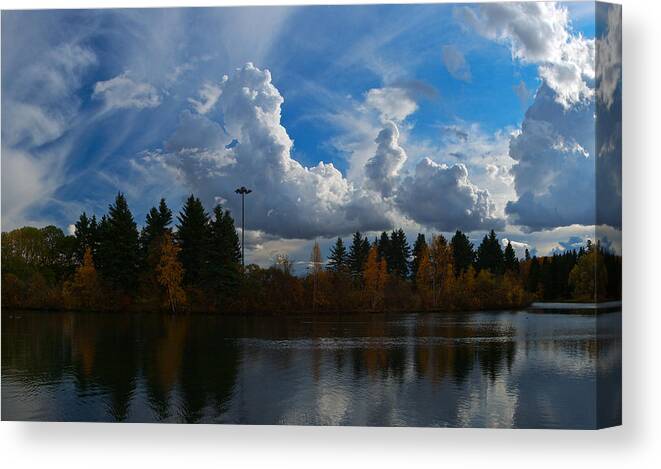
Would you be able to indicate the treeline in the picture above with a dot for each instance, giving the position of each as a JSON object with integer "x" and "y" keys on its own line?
{"x": 193, "y": 263}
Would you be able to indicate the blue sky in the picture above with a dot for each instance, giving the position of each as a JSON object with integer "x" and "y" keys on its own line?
{"x": 414, "y": 106}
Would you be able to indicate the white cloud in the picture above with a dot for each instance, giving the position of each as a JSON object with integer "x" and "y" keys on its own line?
{"x": 254, "y": 150}
{"x": 382, "y": 170}
{"x": 609, "y": 56}
{"x": 393, "y": 103}
{"x": 455, "y": 63}
{"x": 540, "y": 33}
{"x": 555, "y": 167}
{"x": 209, "y": 94}
{"x": 443, "y": 197}
{"x": 122, "y": 92}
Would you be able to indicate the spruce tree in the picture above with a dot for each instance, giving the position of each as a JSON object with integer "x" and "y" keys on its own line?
{"x": 157, "y": 223}
{"x": 383, "y": 248}
{"x": 224, "y": 255}
{"x": 119, "y": 246}
{"x": 462, "y": 252}
{"x": 419, "y": 247}
{"x": 86, "y": 236}
{"x": 358, "y": 252}
{"x": 510, "y": 260}
{"x": 399, "y": 252}
{"x": 338, "y": 259}
{"x": 193, "y": 236}
{"x": 490, "y": 254}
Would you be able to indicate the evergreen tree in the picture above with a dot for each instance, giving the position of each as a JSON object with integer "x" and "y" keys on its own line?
{"x": 527, "y": 255}
{"x": 462, "y": 252}
{"x": 490, "y": 254}
{"x": 418, "y": 248}
{"x": 193, "y": 236}
{"x": 399, "y": 253}
{"x": 338, "y": 259}
{"x": 157, "y": 223}
{"x": 358, "y": 253}
{"x": 510, "y": 260}
{"x": 86, "y": 234}
{"x": 119, "y": 246}
{"x": 224, "y": 254}
{"x": 383, "y": 248}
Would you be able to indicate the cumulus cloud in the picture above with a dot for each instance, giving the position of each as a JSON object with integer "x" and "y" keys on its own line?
{"x": 443, "y": 197}
{"x": 455, "y": 63}
{"x": 122, "y": 92}
{"x": 209, "y": 94}
{"x": 254, "y": 149}
{"x": 609, "y": 115}
{"x": 540, "y": 33}
{"x": 555, "y": 167}
{"x": 609, "y": 55}
{"x": 393, "y": 103}
{"x": 382, "y": 170}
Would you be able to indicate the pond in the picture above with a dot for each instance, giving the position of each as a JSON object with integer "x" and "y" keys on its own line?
{"x": 520, "y": 369}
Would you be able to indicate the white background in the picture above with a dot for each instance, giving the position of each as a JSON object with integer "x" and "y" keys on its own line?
{"x": 636, "y": 444}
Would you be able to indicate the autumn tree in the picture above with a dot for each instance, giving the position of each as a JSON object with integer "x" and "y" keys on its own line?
{"x": 316, "y": 274}
{"x": 84, "y": 290}
{"x": 170, "y": 273}
{"x": 376, "y": 277}
{"x": 424, "y": 281}
{"x": 441, "y": 257}
{"x": 589, "y": 277}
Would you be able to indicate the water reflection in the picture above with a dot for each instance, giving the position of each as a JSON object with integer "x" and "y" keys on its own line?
{"x": 511, "y": 369}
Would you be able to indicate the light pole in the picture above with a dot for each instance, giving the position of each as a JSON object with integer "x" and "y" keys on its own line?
{"x": 243, "y": 191}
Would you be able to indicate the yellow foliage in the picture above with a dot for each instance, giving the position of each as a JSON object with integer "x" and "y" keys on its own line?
{"x": 170, "y": 273}
{"x": 376, "y": 277}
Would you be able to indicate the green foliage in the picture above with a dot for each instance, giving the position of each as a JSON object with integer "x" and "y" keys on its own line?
{"x": 119, "y": 247}
{"x": 490, "y": 254}
{"x": 194, "y": 238}
{"x": 224, "y": 256}
{"x": 338, "y": 260}
{"x": 510, "y": 260}
{"x": 358, "y": 252}
{"x": 462, "y": 252}
{"x": 419, "y": 247}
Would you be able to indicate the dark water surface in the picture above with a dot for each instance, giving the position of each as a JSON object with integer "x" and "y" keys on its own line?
{"x": 486, "y": 369}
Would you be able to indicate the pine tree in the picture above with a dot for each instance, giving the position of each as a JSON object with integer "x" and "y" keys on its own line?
{"x": 86, "y": 235}
{"x": 383, "y": 248}
{"x": 418, "y": 246}
{"x": 224, "y": 255}
{"x": 157, "y": 223}
{"x": 490, "y": 254}
{"x": 193, "y": 236}
{"x": 338, "y": 259}
{"x": 119, "y": 246}
{"x": 511, "y": 262}
{"x": 358, "y": 252}
{"x": 399, "y": 252}
{"x": 462, "y": 252}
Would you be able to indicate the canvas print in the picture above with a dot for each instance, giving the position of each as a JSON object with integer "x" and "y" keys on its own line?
{"x": 371, "y": 215}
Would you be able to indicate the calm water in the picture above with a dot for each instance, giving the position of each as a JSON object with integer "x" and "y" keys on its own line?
{"x": 487, "y": 369}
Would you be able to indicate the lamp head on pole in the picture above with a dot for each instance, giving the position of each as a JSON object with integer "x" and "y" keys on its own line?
{"x": 243, "y": 190}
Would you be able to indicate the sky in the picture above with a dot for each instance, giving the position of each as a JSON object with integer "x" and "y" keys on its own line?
{"x": 339, "y": 118}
